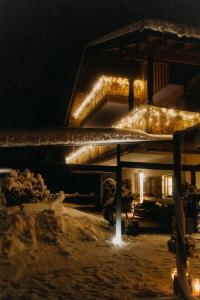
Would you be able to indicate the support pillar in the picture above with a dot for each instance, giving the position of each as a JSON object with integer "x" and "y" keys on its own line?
{"x": 100, "y": 201}
{"x": 118, "y": 196}
{"x": 181, "y": 259}
{"x": 193, "y": 177}
{"x": 150, "y": 81}
{"x": 131, "y": 103}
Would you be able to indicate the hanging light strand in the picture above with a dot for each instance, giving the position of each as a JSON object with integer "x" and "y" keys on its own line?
{"x": 103, "y": 86}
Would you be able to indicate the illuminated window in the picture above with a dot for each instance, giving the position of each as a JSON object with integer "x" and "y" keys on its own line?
{"x": 167, "y": 186}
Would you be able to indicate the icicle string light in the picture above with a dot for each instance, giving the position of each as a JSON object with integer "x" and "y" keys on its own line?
{"x": 157, "y": 120}
{"x": 104, "y": 85}
{"x": 85, "y": 153}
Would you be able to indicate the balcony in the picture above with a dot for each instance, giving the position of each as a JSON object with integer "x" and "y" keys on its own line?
{"x": 107, "y": 91}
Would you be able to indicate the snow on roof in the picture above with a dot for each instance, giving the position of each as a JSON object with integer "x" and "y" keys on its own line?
{"x": 73, "y": 137}
{"x": 180, "y": 30}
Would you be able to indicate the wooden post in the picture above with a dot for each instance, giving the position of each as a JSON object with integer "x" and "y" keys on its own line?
{"x": 131, "y": 103}
{"x": 118, "y": 196}
{"x": 150, "y": 80}
{"x": 100, "y": 201}
{"x": 193, "y": 177}
{"x": 181, "y": 259}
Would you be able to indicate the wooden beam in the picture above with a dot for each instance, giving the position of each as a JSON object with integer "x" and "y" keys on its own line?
{"x": 191, "y": 137}
{"x": 193, "y": 177}
{"x": 100, "y": 203}
{"x": 150, "y": 80}
{"x": 169, "y": 51}
{"x": 181, "y": 258}
{"x": 61, "y": 166}
{"x": 156, "y": 166}
{"x": 131, "y": 103}
{"x": 86, "y": 168}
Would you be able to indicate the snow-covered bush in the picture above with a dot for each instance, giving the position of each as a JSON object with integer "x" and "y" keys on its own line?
{"x": 191, "y": 198}
{"x": 189, "y": 245}
{"x": 25, "y": 186}
{"x": 109, "y": 189}
{"x": 109, "y": 199}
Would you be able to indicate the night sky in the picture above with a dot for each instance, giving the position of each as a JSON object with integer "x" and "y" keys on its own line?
{"x": 41, "y": 42}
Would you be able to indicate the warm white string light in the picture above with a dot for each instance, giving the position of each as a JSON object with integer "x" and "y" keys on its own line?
{"x": 77, "y": 153}
{"x": 86, "y": 153}
{"x": 153, "y": 119}
{"x": 101, "y": 87}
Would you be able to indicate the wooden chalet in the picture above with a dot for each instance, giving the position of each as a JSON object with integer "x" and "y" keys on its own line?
{"x": 146, "y": 77}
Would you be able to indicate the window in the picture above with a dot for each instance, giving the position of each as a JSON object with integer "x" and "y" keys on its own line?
{"x": 167, "y": 186}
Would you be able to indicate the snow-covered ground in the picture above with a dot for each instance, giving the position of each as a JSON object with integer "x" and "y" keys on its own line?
{"x": 67, "y": 257}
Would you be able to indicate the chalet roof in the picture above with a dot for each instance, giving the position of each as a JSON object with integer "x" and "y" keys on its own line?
{"x": 118, "y": 41}
{"x": 178, "y": 29}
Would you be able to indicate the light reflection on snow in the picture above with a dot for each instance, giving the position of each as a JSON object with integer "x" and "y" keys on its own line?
{"x": 117, "y": 241}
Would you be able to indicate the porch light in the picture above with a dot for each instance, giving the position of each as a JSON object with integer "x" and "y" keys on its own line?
{"x": 176, "y": 284}
{"x": 196, "y": 287}
{"x": 174, "y": 273}
{"x": 141, "y": 186}
{"x": 138, "y": 88}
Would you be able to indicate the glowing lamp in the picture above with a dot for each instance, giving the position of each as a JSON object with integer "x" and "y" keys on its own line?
{"x": 196, "y": 287}
{"x": 141, "y": 186}
{"x": 176, "y": 285}
{"x": 138, "y": 88}
{"x": 174, "y": 273}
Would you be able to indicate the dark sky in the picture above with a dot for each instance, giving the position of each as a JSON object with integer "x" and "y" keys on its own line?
{"x": 41, "y": 42}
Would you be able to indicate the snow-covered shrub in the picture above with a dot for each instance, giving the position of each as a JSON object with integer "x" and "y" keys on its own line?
{"x": 191, "y": 198}
{"x": 189, "y": 245}
{"x": 109, "y": 194}
{"x": 25, "y": 186}
{"x": 109, "y": 189}
{"x": 109, "y": 199}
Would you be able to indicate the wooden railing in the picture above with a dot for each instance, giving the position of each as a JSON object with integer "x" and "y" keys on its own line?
{"x": 160, "y": 81}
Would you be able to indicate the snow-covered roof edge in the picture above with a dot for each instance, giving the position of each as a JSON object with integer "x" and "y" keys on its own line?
{"x": 180, "y": 30}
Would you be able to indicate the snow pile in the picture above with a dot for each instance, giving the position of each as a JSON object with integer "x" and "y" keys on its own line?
{"x": 48, "y": 227}
{"x": 54, "y": 254}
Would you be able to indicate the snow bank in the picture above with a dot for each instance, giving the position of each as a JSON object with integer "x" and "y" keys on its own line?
{"x": 62, "y": 255}
{"x": 23, "y": 231}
